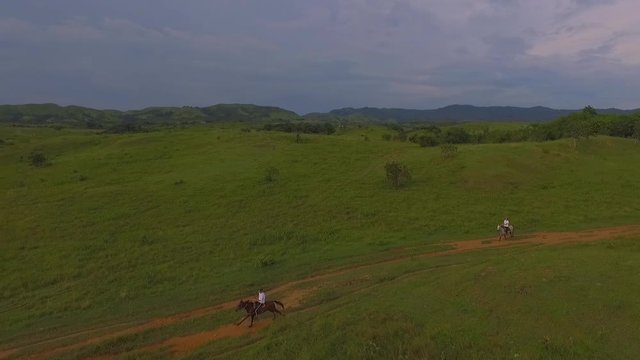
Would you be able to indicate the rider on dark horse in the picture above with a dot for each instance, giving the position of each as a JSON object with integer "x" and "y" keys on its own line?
{"x": 262, "y": 298}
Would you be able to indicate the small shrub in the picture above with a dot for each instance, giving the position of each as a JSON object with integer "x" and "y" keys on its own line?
{"x": 427, "y": 141}
{"x": 38, "y": 159}
{"x": 265, "y": 261}
{"x": 146, "y": 241}
{"x": 398, "y": 175}
{"x": 448, "y": 151}
{"x": 271, "y": 174}
{"x": 386, "y": 137}
{"x": 402, "y": 136}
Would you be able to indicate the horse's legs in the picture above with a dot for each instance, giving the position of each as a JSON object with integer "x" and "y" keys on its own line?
{"x": 243, "y": 319}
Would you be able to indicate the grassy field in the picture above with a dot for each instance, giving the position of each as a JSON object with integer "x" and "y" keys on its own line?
{"x": 566, "y": 302}
{"x": 124, "y": 227}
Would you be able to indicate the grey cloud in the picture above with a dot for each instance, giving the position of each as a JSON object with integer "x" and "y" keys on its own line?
{"x": 301, "y": 54}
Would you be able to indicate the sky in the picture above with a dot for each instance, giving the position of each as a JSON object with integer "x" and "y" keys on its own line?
{"x": 311, "y": 56}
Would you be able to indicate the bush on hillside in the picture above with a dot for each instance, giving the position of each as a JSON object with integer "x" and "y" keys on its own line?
{"x": 264, "y": 261}
{"x": 457, "y": 135}
{"x": 402, "y": 136}
{"x": 636, "y": 131}
{"x": 427, "y": 140}
{"x": 271, "y": 174}
{"x": 38, "y": 159}
{"x": 619, "y": 127}
{"x": 448, "y": 151}
{"x": 398, "y": 175}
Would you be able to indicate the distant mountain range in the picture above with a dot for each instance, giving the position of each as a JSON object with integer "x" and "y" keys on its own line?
{"x": 86, "y": 117}
{"x": 455, "y": 113}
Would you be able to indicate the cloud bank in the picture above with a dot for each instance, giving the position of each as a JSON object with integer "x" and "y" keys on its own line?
{"x": 311, "y": 56}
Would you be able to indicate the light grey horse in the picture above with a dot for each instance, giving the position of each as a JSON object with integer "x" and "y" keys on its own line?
{"x": 503, "y": 233}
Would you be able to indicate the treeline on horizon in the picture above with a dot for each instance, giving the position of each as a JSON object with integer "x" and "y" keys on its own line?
{"x": 579, "y": 125}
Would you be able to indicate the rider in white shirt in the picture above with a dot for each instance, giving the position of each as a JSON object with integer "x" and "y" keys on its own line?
{"x": 506, "y": 224}
{"x": 262, "y": 298}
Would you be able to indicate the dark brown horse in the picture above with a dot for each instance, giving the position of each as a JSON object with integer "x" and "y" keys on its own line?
{"x": 250, "y": 307}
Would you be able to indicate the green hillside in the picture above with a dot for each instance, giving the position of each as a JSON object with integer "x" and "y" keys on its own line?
{"x": 453, "y": 113}
{"x": 76, "y": 116}
{"x": 121, "y": 227}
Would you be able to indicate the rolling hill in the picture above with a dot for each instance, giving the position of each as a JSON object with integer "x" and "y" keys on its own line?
{"x": 77, "y": 116}
{"x": 453, "y": 113}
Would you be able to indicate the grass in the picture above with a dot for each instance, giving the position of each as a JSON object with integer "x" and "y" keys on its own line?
{"x": 121, "y": 228}
{"x": 561, "y": 302}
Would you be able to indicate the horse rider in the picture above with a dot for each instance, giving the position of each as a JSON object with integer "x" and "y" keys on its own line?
{"x": 262, "y": 298}
{"x": 505, "y": 224}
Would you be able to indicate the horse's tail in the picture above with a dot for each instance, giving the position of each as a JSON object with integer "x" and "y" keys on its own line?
{"x": 279, "y": 303}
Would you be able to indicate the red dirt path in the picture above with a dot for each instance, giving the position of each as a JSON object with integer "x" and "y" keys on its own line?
{"x": 185, "y": 344}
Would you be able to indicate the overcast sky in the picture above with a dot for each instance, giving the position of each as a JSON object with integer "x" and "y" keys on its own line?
{"x": 319, "y": 55}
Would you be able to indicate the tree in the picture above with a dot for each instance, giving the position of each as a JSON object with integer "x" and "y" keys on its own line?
{"x": 589, "y": 111}
{"x": 398, "y": 175}
{"x": 456, "y": 135}
{"x": 580, "y": 125}
{"x": 636, "y": 130}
